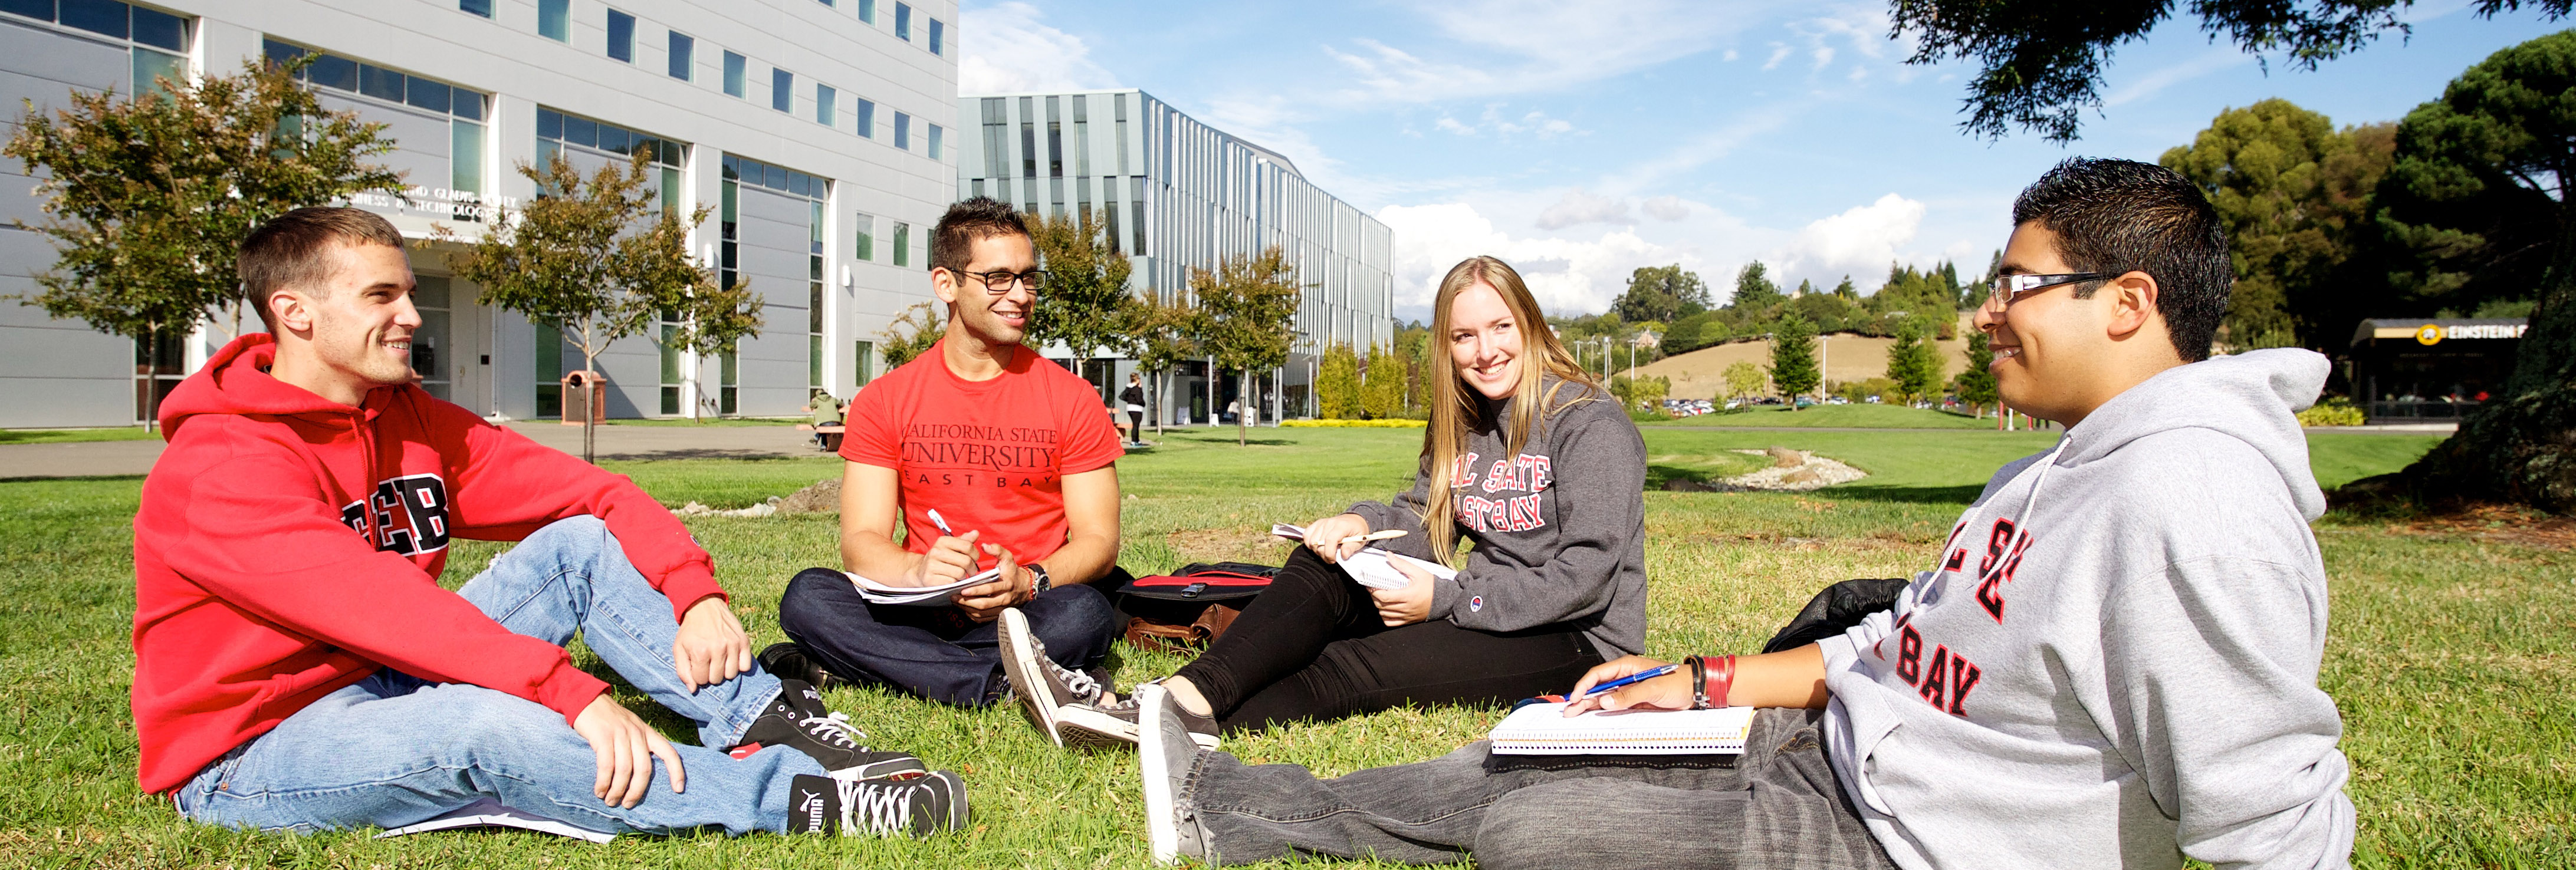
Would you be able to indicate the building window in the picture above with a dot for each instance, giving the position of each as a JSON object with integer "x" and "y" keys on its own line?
{"x": 557, "y": 131}
{"x": 866, "y": 246}
{"x": 734, "y": 85}
{"x": 464, "y": 108}
{"x": 430, "y": 297}
{"x": 160, "y": 40}
{"x": 864, "y": 363}
{"x": 1055, "y": 140}
{"x": 903, "y": 244}
{"x": 549, "y": 366}
{"x": 903, "y": 21}
{"x": 996, "y": 142}
{"x": 683, "y": 56}
{"x": 814, "y": 295}
{"x": 938, "y": 37}
{"x": 826, "y": 101}
{"x": 903, "y": 131}
{"x": 868, "y": 11}
{"x": 866, "y": 113}
{"x": 669, "y": 344}
{"x": 478, "y": 7}
{"x": 934, "y": 140}
{"x": 782, "y": 90}
{"x": 554, "y": 19}
{"x": 621, "y": 36}
{"x": 160, "y": 363}
{"x": 1081, "y": 136}
{"x": 1028, "y": 138}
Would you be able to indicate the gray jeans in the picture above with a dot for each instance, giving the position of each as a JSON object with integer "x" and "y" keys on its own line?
{"x": 1775, "y": 806}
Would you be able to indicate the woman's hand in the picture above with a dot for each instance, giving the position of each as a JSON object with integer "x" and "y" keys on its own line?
{"x": 1668, "y": 692}
{"x": 1325, "y": 536}
{"x": 1408, "y": 605}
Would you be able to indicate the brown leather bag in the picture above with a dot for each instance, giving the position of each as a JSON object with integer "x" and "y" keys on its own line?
{"x": 1192, "y": 607}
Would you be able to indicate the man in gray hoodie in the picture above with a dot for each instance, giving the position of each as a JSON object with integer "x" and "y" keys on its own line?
{"x": 2112, "y": 662}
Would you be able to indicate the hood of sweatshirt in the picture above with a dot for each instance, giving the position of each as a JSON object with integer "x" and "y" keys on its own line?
{"x": 2252, "y": 397}
{"x": 236, "y": 381}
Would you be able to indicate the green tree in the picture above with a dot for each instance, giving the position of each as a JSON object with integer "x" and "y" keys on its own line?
{"x": 2042, "y": 61}
{"x": 1167, "y": 333}
{"x": 1382, "y": 391}
{"x": 1247, "y": 304}
{"x": 1793, "y": 357}
{"x": 1661, "y": 293}
{"x": 2293, "y": 193}
{"x": 1914, "y": 362}
{"x": 1744, "y": 379}
{"x": 1754, "y": 291}
{"x": 1976, "y": 383}
{"x": 1085, "y": 304}
{"x": 602, "y": 259}
{"x": 2505, "y": 125}
{"x": 911, "y": 334}
{"x": 148, "y": 198}
{"x": 1337, "y": 383}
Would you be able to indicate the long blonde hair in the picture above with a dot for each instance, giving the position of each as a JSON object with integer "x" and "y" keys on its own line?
{"x": 1454, "y": 407}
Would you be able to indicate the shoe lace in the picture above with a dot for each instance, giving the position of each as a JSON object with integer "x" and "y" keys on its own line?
{"x": 877, "y": 807}
{"x": 834, "y": 729}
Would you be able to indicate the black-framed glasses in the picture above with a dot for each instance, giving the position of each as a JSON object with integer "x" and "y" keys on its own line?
{"x": 999, "y": 281}
{"x": 2001, "y": 292}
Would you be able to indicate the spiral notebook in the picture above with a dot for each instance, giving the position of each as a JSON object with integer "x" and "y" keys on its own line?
{"x": 1543, "y": 729}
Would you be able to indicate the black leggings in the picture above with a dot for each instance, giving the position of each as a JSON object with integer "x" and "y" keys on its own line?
{"x": 1311, "y": 647}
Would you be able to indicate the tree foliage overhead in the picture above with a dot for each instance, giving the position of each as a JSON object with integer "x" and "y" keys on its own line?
{"x": 2294, "y": 195}
{"x": 2041, "y": 61}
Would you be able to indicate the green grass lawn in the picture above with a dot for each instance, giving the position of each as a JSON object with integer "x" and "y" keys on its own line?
{"x": 1862, "y": 415}
{"x": 2449, "y": 656}
{"x": 61, "y": 436}
{"x": 709, "y": 421}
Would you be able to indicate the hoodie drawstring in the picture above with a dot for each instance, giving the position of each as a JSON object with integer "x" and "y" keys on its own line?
{"x": 2021, "y": 528}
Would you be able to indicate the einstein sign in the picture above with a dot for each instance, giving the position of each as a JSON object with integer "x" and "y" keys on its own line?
{"x": 2434, "y": 333}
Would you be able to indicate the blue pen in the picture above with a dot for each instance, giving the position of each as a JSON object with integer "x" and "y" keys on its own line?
{"x": 1638, "y": 677}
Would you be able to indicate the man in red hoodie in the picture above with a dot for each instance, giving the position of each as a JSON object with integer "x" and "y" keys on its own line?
{"x": 299, "y": 667}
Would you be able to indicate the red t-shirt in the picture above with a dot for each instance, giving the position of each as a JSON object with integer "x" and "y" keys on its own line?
{"x": 988, "y": 455}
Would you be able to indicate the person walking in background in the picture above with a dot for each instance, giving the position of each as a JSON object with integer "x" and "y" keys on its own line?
{"x": 1134, "y": 398}
{"x": 1526, "y": 457}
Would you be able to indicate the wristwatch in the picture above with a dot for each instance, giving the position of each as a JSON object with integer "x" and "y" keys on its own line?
{"x": 1041, "y": 584}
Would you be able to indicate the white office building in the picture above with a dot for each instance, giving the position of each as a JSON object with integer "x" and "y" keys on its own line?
{"x": 818, "y": 129}
{"x": 1176, "y": 194}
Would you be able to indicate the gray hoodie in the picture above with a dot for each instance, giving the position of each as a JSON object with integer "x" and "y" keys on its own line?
{"x": 1559, "y": 529}
{"x": 2115, "y": 662}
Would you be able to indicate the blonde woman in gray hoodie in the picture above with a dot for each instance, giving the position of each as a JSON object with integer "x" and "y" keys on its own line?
{"x": 2112, "y": 662}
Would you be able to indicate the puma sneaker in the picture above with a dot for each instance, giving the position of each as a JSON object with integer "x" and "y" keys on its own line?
{"x": 916, "y": 807}
{"x": 798, "y": 720}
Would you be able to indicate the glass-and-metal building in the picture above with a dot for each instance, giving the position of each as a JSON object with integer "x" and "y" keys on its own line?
{"x": 817, "y": 130}
{"x": 1175, "y": 194}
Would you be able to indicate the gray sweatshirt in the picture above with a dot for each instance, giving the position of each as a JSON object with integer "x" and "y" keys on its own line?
{"x": 2151, "y": 692}
{"x": 1559, "y": 529}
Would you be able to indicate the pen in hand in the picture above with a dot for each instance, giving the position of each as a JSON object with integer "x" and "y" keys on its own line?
{"x": 1374, "y": 536}
{"x": 1638, "y": 677}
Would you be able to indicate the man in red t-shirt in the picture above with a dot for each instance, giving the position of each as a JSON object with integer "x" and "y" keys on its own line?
{"x": 1012, "y": 452}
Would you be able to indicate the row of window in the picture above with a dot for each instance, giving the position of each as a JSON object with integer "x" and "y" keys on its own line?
{"x": 108, "y": 18}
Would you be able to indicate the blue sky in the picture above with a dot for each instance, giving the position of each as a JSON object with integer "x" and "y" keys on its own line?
{"x": 1581, "y": 140}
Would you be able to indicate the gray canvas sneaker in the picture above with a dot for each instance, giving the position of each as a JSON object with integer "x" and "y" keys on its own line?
{"x": 1072, "y": 708}
{"x": 1166, "y": 756}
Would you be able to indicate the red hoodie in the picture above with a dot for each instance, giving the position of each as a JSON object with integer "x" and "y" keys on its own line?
{"x": 289, "y": 545}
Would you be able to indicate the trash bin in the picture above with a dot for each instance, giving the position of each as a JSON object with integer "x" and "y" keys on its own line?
{"x": 581, "y": 398}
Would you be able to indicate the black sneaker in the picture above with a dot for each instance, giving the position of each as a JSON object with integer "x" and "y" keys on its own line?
{"x": 790, "y": 660}
{"x": 1166, "y": 756}
{"x": 798, "y": 720}
{"x": 917, "y": 807}
{"x": 1072, "y": 707}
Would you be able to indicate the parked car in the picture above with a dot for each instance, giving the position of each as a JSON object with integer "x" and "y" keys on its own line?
{"x": 1837, "y": 400}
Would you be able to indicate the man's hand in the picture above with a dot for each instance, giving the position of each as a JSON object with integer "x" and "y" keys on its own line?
{"x": 950, "y": 559}
{"x": 711, "y": 647}
{"x": 626, "y": 748}
{"x": 1325, "y": 536}
{"x": 1668, "y": 692}
{"x": 984, "y": 602}
{"x": 1408, "y": 605}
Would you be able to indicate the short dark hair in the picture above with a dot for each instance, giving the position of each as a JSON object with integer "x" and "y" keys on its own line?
{"x": 952, "y": 243}
{"x": 289, "y": 250}
{"x": 2121, "y": 216}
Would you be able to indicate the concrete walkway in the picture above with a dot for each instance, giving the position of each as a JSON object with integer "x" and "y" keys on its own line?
{"x": 107, "y": 458}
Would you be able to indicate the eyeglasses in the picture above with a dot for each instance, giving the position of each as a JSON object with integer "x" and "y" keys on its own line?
{"x": 999, "y": 281}
{"x": 2005, "y": 288}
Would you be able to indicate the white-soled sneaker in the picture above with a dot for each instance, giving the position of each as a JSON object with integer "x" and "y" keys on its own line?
{"x": 916, "y": 807}
{"x": 1071, "y": 707}
{"x": 1165, "y": 755}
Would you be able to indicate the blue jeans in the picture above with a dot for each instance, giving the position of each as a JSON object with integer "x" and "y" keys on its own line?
{"x": 393, "y": 749}
{"x": 936, "y": 652}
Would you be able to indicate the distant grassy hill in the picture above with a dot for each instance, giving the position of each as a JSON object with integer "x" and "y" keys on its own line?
{"x": 1862, "y": 416}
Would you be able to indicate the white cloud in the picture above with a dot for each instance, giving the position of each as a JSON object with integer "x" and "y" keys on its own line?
{"x": 1861, "y": 240}
{"x": 1731, "y": 55}
{"x": 2215, "y": 59}
{"x": 1779, "y": 52}
{"x": 1667, "y": 208}
{"x": 1533, "y": 122}
{"x": 1581, "y": 206}
{"x": 1010, "y": 50}
{"x": 1567, "y": 275}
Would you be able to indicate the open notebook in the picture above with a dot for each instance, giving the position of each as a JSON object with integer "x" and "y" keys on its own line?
{"x": 918, "y": 596}
{"x": 1373, "y": 567}
{"x": 1543, "y": 729}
